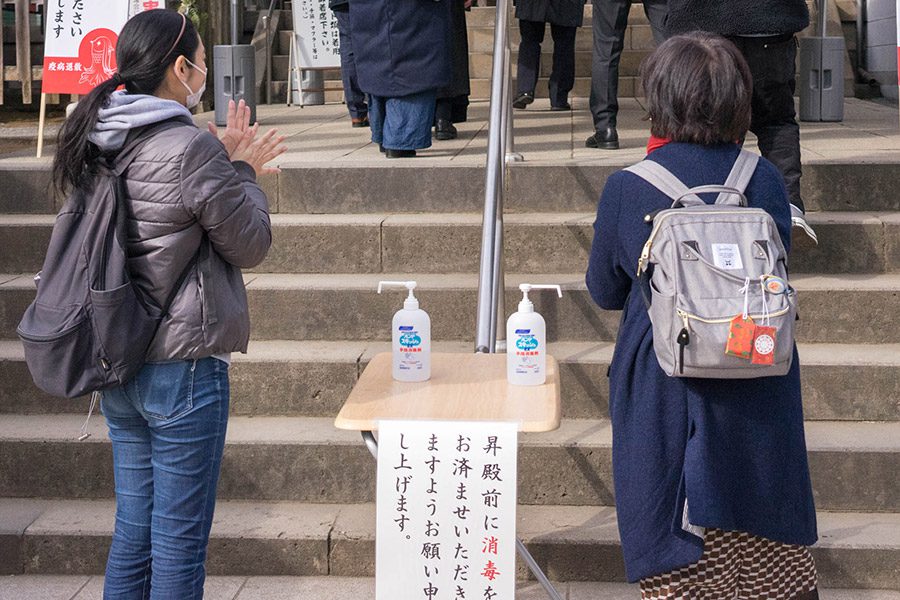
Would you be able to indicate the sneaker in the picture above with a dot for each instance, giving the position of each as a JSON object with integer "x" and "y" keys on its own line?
{"x": 798, "y": 219}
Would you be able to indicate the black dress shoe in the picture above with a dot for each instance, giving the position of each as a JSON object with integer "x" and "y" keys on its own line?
{"x": 523, "y": 100}
{"x": 563, "y": 106}
{"x": 359, "y": 121}
{"x": 399, "y": 153}
{"x": 444, "y": 130}
{"x": 381, "y": 148}
{"x": 605, "y": 140}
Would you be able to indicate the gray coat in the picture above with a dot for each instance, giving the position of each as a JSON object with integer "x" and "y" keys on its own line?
{"x": 191, "y": 210}
{"x": 568, "y": 13}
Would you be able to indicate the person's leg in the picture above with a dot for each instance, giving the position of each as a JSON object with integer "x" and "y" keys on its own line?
{"x": 355, "y": 98}
{"x": 407, "y": 125}
{"x": 186, "y": 404}
{"x": 774, "y": 115}
{"x": 657, "y": 11}
{"x": 443, "y": 120}
{"x": 529, "y": 62}
{"x": 610, "y": 18}
{"x": 128, "y": 566}
{"x": 377, "y": 110}
{"x": 562, "y": 80}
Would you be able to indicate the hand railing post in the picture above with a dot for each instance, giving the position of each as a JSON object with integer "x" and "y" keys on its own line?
{"x": 489, "y": 284}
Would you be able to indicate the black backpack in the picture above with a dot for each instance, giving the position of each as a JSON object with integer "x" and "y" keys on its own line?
{"x": 90, "y": 327}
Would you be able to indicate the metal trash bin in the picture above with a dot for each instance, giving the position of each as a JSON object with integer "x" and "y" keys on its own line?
{"x": 235, "y": 79}
{"x": 822, "y": 73}
{"x": 313, "y": 85}
{"x": 822, "y": 79}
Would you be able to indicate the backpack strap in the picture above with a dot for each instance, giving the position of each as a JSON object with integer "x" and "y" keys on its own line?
{"x": 662, "y": 179}
{"x": 741, "y": 173}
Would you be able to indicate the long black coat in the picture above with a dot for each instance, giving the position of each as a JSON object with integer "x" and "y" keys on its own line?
{"x": 568, "y": 13}
{"x": 401, "y": 47}
{"x": 459, "y": 50}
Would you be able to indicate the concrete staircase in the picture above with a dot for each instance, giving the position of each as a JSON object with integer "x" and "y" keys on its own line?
{"x": 297, "y": 495}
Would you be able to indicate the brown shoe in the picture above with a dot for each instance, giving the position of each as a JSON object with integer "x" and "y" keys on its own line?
{"x": 813, "y": 594}
{"x": 359, "y": 121}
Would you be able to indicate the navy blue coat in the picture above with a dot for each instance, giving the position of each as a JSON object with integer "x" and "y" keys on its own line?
{"x": 401, "y": 47}
{"x": 734, "y": 448}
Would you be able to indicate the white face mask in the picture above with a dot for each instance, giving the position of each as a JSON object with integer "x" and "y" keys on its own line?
{"x": 193, "y": 98}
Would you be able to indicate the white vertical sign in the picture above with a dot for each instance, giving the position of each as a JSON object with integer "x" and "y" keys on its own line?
{"x": 316, "y": 31}
{"x": 446, "y": 522}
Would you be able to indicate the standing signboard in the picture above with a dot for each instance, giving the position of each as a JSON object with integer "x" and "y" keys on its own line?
{"x": 446, "y": 510}
{"x": 80, "y": 45}
{"x": 315, "y": 45}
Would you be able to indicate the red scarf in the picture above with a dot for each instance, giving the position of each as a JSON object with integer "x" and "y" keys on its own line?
{"x": 655, "y": 143}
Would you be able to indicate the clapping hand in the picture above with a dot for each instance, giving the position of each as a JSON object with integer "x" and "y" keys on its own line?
{"x": 241, "y": 143}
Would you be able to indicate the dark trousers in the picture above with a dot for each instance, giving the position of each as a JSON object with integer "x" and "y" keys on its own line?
{"x": 774, "y": 122}
{"x": 609, "y": 22}
{"x": 562, "y": 78}
{"x": 355, "y": 98}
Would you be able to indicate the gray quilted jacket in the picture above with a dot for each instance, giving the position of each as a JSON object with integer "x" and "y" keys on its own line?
{"x": 191, "y": 210}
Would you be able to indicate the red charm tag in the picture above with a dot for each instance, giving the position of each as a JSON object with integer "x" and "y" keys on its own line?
{"x": 740, "y": 337}
{"x": 764, "y": 346}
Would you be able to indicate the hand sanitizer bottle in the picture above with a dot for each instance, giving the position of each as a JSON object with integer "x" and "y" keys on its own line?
{"x": 526, "y": 339}
{"x": 410, "y": 337}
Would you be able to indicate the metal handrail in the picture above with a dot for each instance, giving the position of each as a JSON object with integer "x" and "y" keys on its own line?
{"x": 267, "y": 23}
{"x": 500, "y": 151}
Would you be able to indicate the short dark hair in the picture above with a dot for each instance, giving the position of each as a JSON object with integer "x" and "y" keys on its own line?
{"x": 698, "y": 88}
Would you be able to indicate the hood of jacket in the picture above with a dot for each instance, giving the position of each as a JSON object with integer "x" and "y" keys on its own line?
{"x": 125, "y": 112}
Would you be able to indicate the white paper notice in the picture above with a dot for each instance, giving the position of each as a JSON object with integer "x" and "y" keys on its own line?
{"x": 727, "y": 256}
{"x": 317, "y": 34}
{"x": 446, "y": 509}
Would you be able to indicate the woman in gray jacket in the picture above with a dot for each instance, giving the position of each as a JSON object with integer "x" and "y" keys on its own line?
{"x": 195, "y": 217}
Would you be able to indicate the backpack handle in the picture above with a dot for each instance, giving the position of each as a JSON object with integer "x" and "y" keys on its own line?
{"x": 728, "y": 196}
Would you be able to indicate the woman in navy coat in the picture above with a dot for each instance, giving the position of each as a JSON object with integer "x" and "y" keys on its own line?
{"x": 403, "y": 57}
{"x": 712, "y": 484}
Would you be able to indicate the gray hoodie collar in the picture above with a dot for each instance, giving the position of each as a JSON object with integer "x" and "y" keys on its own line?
{"x": 127, "y": 111}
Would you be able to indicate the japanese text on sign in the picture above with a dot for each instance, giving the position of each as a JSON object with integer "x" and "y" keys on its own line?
{"x": 317, "y": 34}
{"x": 446, "y": 511}
{"x": 80, "y": 42}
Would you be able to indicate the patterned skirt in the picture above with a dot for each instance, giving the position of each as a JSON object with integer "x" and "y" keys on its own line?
{"x": 737, "y": 565}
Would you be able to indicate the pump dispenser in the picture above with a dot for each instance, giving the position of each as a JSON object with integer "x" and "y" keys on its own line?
{"x": 410, "y": 337}
{"x": 526, "y": 339}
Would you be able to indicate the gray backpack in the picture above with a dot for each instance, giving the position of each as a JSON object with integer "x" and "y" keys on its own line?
{"x": 89, "y": 327}
{"x": 710, "y": 269}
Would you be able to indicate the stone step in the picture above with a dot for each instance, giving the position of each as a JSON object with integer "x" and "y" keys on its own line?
{"x": 312, "y": 379}
{"x": 305, "y": 459}
{"x": 855, "y": 242}
{"x": 539, "y": 186}
{"x": 845, "y": 309}
{"x": 572, "y": 544}
{"x": 225, "y": 587}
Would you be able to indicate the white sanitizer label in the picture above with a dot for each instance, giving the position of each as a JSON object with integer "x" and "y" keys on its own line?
{"x": 411, "y": 349}
{"x": 526, "y": 351}
{"x": 727, "y": 256}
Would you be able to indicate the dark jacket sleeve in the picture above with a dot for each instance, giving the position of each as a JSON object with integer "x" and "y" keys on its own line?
{"x": 606, "y": 280}
{"x": 227, "y": 202}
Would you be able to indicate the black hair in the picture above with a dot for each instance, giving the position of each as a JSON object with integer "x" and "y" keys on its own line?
{"x": 148, "y": 45}
{"x": 698, "y": 88}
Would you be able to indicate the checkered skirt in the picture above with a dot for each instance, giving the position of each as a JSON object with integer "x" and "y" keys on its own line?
{"x": 737, "y": 565}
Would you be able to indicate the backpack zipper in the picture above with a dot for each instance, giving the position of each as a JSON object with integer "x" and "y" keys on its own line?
{"x": 645, "y": 253}
{"x": 684, "y": 336}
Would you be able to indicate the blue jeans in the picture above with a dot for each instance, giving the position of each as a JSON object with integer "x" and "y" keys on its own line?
{"x": 402, "y": 123}
{"x": 167, "y": 427}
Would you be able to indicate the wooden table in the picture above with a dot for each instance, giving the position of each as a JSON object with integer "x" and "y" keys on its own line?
{"x": 463, "y": 387}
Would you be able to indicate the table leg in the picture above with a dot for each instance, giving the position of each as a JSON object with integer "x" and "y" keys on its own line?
{"x": 372, "y": 445}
